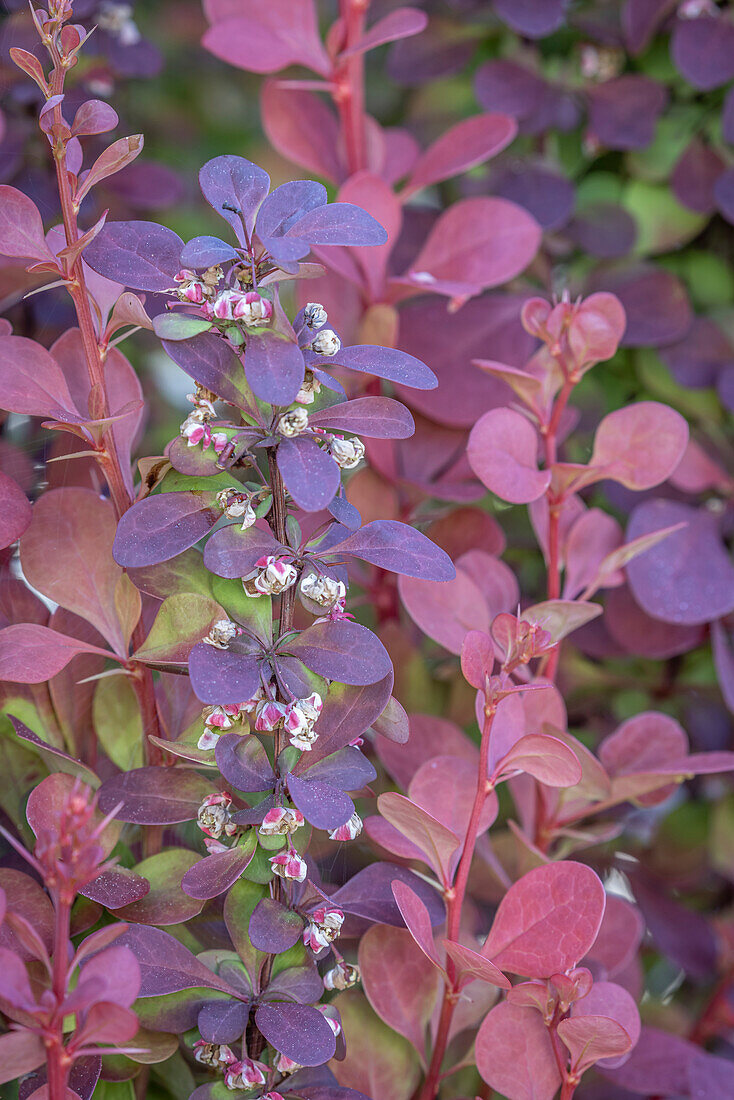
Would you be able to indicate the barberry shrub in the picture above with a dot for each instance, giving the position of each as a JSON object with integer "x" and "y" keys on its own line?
{"x": 183, "y": 670}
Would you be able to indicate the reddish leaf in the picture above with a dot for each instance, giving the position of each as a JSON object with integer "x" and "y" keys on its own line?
{"x": 445, "y": 610}
{"x": 425, "y": 831}
{"x": 515, "y": 1055}
{"x": 547, "y": 921}
{"x": 21, "y": 228}
{"x": 214, "y": 874}
{"x": 400, "y": 982}
{"x": 591, "y": 1039}
{"x": 302, "y": 128}
{"x": 20, "y": 1052}
{"x": 545, "y": 758}
{"x": 460, "y": 148}
{"x": 606, "y": 999}
{"x": 15, "y": 511}
{"x": 155, "y": 796}
{"x": 30, "y": 654}
{"x": 502, "y": 451}
{"x": 473, "y": 965}
{"x": 32, "y": 382}
{"x": 266, "y": 39}
{"x": 445, "y": 786}
{"x": 417, "y": 920}
{"x": 640, "y": 445}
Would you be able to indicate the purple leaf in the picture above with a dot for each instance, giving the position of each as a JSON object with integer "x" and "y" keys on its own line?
{"x": 21, "y": 228}
{"x": 369, "y": 894}
{"x": 390, "y": 363}
{"x": 116, "y": 887}
{"x": 166, "y": 966}
{"x": 207, "y": 252}
{"x": 209, "y": 359}
{"x": 274, "y": 928}
{"x": 232, "y": 552}
{"x": 378, "y": 417}
{"x": 709, "y": 1077}
{"x": 233, "y": 182}
{"x": 658, "y": 1065}
{"x": 286, "y": 205}
{"x": 532, "y": 18}
{"x": 322, "y": 805}
{"x": 345, "y": 513}
{"x": 159, "y": 527}
{"x": 623, "y": 111}
{"x": 298, "y": 1031}
{"x": 702, "y": 50}
{"x": 223, "y": 676}
{"x": 296, "y": 983}
{"x": 343, "y": 651}
{"x": 348, "y": 712}
{"x": 549, "y": 197}
{"x": 655, "y": 303}
{"x": 223, "y": 1021}
{"x": 244, "y": 763}
{"x": 155, "y": 796}
{"x": 399, "y": 548}
{"x": 340, "y": 223}
{"x": 687, "y": 578}
{"x": 348, "y": 769}
{"x": 274, "y": 367}
{"x": 141, "y": 255}
{"x": 214, "y": 874}
{"x": 604, "y": 229}
{"x": 310, "y": 474}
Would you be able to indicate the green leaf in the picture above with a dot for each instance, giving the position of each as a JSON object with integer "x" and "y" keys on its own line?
{"x": 118, "y": 722}
{"x": 181, "y": 622}
{"x": 253, "y": 612}
{"x": 176, "y": 482}
{"x": 179, "y": 326}
{"x": 166, "y": 903}
{"x": 238, "y": 908}
{"x": 379, "y": 1062}
{"x": 662, "y": 223}
{"x": 184, "y": 573}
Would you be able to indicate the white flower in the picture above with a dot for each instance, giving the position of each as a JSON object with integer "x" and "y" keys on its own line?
{"x": 221, "y": 634}
{"x": 235, "y": 505}
{"x": 314, "y": 315}
{"x": 347, "y": 453}
{"x": 213, "y": 817}
{"x": 270, "y": 577}
{"x": 322, "y": 590}
{"x": 293, "y": 423}
{"x": 324, "y": 926}
{"x": 326, "y": 343}
{"x": 342, "y": 976}
{"x": 310, "y": 386}
{"x": 281, "y": 821}
{"x": 299, "y": 721}
{"x": 349, "y": 831}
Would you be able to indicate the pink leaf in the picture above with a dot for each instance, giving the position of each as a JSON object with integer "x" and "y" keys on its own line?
{"x": 596, "y": 329}
{"x": 425, "y": 831}
{"x": 640, "y": 445}
{"x": 607, "y": 999}
{"x": 20, "y": 1052}
{"x": 400, "y": 982}
{"x": 302, "y": 128}
{"x": 21, "y": 228}
{"x": 547, "y": 921}
{"x": 399, "y": 23}
{"x": 547, "y": 759}
{"x": 591, "y": 1039}
{"x": 15, "y": 511}
{"x": 594, "y": 535}
{"x": 473, "y": 965}
{"x": 468, "y": 143}
{"x": 643, "y": 743}
{"x": 515, "y": 1054}
{"x": 114, "y": 158}
{"x": 31, "y": 654}
{"x": 417, "y": 920}
{"x": 561, "y": 617}
{"x": 620, "y": 935}
{"x": 32, "y": 381}
{"x": 445, "y": 610}
{"x": 502, "y": 451}
{"x": 264, "y": 38}
{"x": 477, "y": 658}
{"x": 445, "y": 786}
{"x": 477, "y": 243}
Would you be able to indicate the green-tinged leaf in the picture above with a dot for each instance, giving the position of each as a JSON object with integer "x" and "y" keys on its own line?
{"x": 379, "y": 1062}
{"x": 181, "y": 622}
{"x": 118, "y": 723}
{"x": 179, "y": 326}
{"x": 175, "y": 1012}
{"x": 158, "y": 1046}
{"x": 258, "y": 869}
{"x": 166, "y": 903}
{"x": 175, "y": 1076}
{"x": 662, "y": 223}
{"x": 703, "y": 405}
{"x": 176, "y": 482}
{"x": 20, "y": 770}
{"x": 184, "y": 573}
{"x": 253, "y": 612}
{"x": 294, "y": 956}
{"x": 655, "y": 163}
{"x": 238, "y": 908}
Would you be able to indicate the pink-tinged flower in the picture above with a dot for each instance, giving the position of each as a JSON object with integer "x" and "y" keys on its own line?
{"x": 195, "y": 429}
{"x": 300, "y": 718}
{"x": 191, "y": 288}
{"x": 224, "y": 303}
{"x": 237, "y": 505}
{"x": 326, "y": 343}
{"x": 314, "y": 315}
{"x": 253, "y": 309}
{"x": 117, "y": 21}
{"x": 220, "y": 441}
{"x": 203, "y": 399}
{"x": 222, "y": 633}
{"x": 214, "y": 816}
{"x": 281, "y": 821}
{"x": 324, "y": 926}
{"x": 214, "y": 847}
{"x": 246, "y": 1074}
{"x": 273, "y": 1096}
{"x": 268, "y": 715}
{"x": 250, "y": 705}
{"x": 286, "y": 1065}
{"x": 213, "y": 1054}
{"x": 520, "y": 640}
{"x": 356, "y": 743}
{"x": 350, "y": 831}
{"x": 310, "y": 386}
{"x": 347, "y": 453}
{"x": 270, "y": 576}
{"x": 208, "y": 740}
{"x": 223, "y": 716}
{"x": 342, "y": 976}
{"x": 289, "y": 865}
{"x": 293, "y": 423}
{"x": 335, "y": 1026}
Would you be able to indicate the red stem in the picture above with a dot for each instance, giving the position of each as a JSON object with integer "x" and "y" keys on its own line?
{"x": 349, "y": 82}
{"x": 57, "y": 1060}
{"x": 454, "y": 904}
{"x": 555, "y": 504}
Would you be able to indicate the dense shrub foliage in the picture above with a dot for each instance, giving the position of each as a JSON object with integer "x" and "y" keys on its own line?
{"x": 366, "y": 642}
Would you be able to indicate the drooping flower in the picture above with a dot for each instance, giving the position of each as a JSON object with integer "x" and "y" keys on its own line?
{"x": 286, "y": 1065}
{"x": 310, "y": 386}
{"x": 324, "y": 926}
{"x": 190, "y": 288}
{"x": 300, "y": 719}
{"x": 326, "y": 343}
{"x": 322, "y": 590}
{"x": 222, "y": 633}
{"x": 213, "y": 817}
{"x": 245, "y": 1074}
{"x": 268, "y": 715}
{"x": 349, "y": 831}
{"x": 289, "y": 865}
{"x": 213, "y": 1054}
{"x": 342, "y": 976}
{"x": 270, "y": 576}
{"x": 281, "y": 821}
{"x": 314, "y": 315}
{"x": 237, "y": 505}
{"x": 347, "y": 453}
{"x": 293, "y": 423}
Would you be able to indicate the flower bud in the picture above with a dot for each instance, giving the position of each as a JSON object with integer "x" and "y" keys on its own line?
{"x": 253, "y": 309}
{"x": 322, "y": 590}
{"x": 268, "y": 715}
{"x": 293, "y": 423}
{"x": 270, "y": 576}
{"x": 281, "y": 821}
{"x": 191, "y": 288}
{"x": 213, "y": 817}
{"x": 342, "y": 976}
{"x": 347, "y": 453}
{"x": 246, "y": 1074}
{"x": 310, "y": 386}
{"x": 324, "y": 926}
{"x": 326, "y": 343}
{"x": 286, "y": 1065}
{"x": 237, "y": 505}
{"x": 349, "y": 831}
{"x": 335, "y": 1026}
{"x": 300, "y": 718}
{"x": 289, "y": 865}
{"x": 223, "y": 306}
{"x": 222, "y": 633}
{"x": 219, "y": 440}
{"x": 314, "y": 315}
